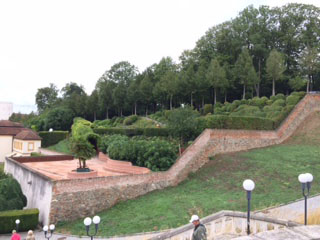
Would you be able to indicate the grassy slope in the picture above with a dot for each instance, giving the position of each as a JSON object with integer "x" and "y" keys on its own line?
{"x": 218, "y": 186}
{"x": 62, "y": 146}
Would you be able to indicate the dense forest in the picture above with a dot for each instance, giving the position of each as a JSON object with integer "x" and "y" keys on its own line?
{"x": 261, "y": 52}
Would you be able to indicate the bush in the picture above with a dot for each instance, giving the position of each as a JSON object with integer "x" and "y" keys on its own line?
{"x": 207, "y": 109}
{"x": 280, "y": 96}
{"x": 51, "y": 138}
{"x": 11, "y": 196}
{"x": 183, "y": 123}
{"x": 153, "y": 153}
{"x": 279, "y": 102}
{"x": 130, "y": 120}
{"x": 28, "y": 220}
{"x": 292, "y": 99}
{"x": 237, "y": 122}
{"x": 245, "y": 110}
{"x": 259, "y": 102}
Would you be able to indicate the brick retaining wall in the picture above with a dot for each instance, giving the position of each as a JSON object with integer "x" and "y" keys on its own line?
{"x": 76, "y": 198}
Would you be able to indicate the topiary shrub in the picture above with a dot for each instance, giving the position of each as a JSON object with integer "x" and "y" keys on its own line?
{"x": 259, "y": 102}
{"x": 130, "y": 120}
{"x": 279, "y": 102}
{"x": 28, "y": 220}
{"x": 280, "y": 96}
{"x": 269, "y": 102}
{"x": 292, "y": 99}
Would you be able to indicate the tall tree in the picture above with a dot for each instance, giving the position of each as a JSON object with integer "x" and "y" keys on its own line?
{"x": 245, "y": 71}
{"x": 275, "y": 68}
{"x": 46, "y": 97}
{"x": 216, "y": 75}
{"x": 310, "y": 63}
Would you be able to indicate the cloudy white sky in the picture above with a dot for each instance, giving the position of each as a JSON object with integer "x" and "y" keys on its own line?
{"x": 60, "y": 41}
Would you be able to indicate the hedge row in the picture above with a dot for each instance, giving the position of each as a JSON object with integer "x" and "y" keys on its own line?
{"x": 162, "y": 132}
{"x": 236, "y": 122}
{"x": 51, "y": 138}
{"x": 28, "y": 220}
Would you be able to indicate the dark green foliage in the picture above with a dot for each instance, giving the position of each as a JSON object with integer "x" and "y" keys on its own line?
{"x": 59, "y": 118}
{"x": 28, "y": 220}
{"x": 130, "y": 120}
{"x": 279, "y": 102}
{"x": 237, "y": 122}
{"x": 133, "y": 131}
{"x": 183, "y": 123}
{"x": 153, "y": 153}
{"x": 292, "y": 100}
{"x": 259, "y": 102}
{"x": 207, "y": 109}
{"x": 51, "y": 138}
{"x": 11, "y": 196}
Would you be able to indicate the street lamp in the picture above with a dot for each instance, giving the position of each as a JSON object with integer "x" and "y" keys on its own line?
{"x": 87, "y": 222}
{"x": 46, "y": 228}
{"x": 17, "y": 225}
{"x": 306, "y": 180}
{"x": 248, "y": 185}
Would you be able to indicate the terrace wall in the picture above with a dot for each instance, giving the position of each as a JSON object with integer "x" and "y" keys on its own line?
{"x": 35, "y": 186}
{"x": 76, "y": 198}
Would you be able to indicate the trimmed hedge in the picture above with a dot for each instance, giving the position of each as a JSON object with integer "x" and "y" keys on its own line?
{"x": 133, "y": 131}
{"x": 236, "y": 122}
{"x": 28, "y": 220}
{"x": 51, "y": 138}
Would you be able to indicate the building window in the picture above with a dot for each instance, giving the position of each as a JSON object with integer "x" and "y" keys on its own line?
{"x": 30, "y": 146}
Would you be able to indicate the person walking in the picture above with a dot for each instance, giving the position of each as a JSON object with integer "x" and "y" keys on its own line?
{"x": 30, "y": 235}
{"x": 15, "y": 235}
{"x": 200, "y": 231}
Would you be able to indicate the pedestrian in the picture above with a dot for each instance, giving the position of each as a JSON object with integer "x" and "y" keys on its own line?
{"x": 30, "y": 235}
{"x": 15, "y": 235}
{"x": 200, "y": 231}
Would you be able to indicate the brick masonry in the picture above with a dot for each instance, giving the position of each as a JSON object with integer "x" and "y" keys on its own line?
{"x": 76, "y": 198}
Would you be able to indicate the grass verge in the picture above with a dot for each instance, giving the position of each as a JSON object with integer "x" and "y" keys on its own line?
{"x": 217, "y": 186}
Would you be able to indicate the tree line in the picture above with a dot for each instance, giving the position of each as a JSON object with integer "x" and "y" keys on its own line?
{"x": 261, "y": 52}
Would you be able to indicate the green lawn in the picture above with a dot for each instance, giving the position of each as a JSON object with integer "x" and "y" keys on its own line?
{"x": 215, "y": 187}
{"x": 218, "y": 186}
{"x": 62, "y": 146}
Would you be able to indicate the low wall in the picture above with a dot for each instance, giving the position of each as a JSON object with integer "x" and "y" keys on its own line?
{"x": 227, "y": 222}
{"x": 72, "y": 199}
{"x": 294, "y": 211}
{"x": 35, "y": 186}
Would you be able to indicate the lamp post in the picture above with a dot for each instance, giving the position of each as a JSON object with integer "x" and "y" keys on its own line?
{"x": 17, "y": 225}
{"x": 306, "y": 180}
{"x": 46, "y": 228}
{"x": 248, "y": 185}
{"x": 87, "y": 222}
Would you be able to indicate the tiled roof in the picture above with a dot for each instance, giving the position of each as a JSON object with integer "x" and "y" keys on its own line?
{"x": 10, "y": 130}
{"x": 7, "y": 123}
{"x": 27, "y": 134}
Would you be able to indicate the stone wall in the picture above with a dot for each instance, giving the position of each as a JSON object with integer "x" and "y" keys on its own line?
{"x": 35, "y": 186}
{"x": 72, "y": 199}
{"x": 227, "y": 222}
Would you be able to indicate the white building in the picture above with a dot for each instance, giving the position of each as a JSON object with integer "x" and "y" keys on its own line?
{"x": 15, "y": 139}
{"x": 6, "y": 110}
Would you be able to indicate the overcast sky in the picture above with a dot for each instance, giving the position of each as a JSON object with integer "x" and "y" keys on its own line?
{"x": 60, "y": 41}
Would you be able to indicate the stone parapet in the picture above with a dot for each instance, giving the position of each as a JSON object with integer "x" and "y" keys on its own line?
{"x": 227, "y": 222}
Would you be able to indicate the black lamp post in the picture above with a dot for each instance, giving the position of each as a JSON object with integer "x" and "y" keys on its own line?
{"x": 248, "y": 185}
{"x": 17, "y": 225}
{"x": 46, "y": 228}
{"x": 306, "y": 180}
{"x": 87, "y": 222}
